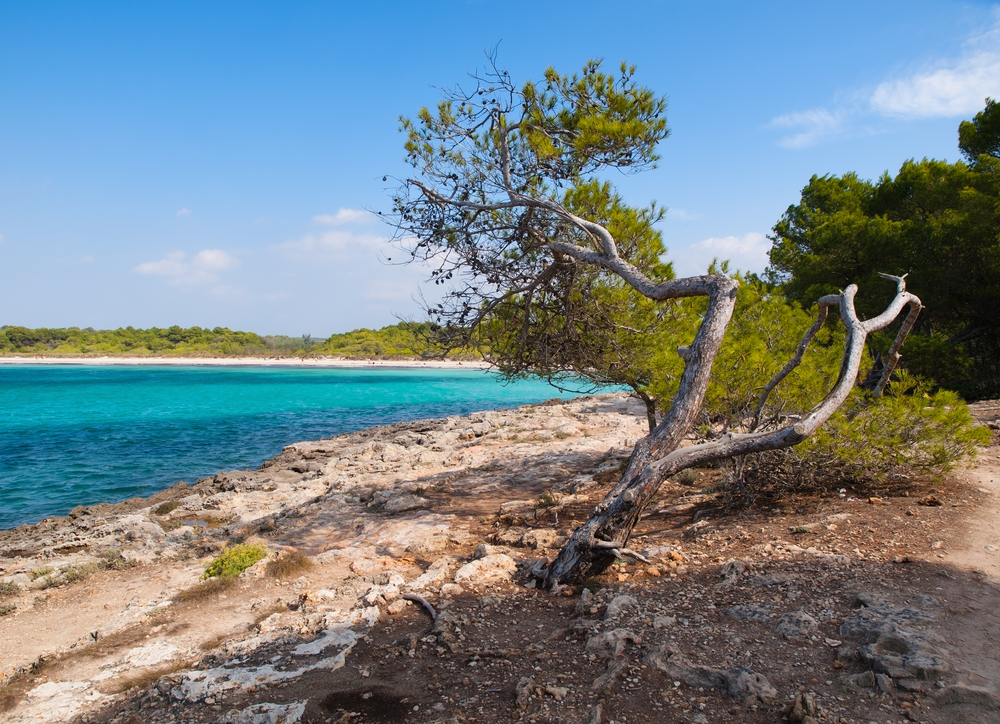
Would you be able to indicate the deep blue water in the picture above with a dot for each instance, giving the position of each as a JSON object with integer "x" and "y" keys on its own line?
{"x": 74, "y": 435}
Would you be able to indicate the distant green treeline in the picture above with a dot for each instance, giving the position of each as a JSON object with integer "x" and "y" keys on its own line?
{"x": 396, "y": 341}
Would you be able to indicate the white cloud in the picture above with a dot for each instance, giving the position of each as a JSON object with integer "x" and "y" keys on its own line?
{"x": 2, "y": 238}
{"x": 183, "y": 212}
{"x": 332, "y": 245}
{"x": 746, "y": 253}
{"x": 812, "y": 125}
{"x": 204, "y": 267}
{"x": 345, "y": 216}
{"x": 942, "y": 87}
{"x": 953, "y": 89}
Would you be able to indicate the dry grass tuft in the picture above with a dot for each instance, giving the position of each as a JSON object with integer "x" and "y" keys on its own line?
{"x": 147, "y": 678}
{"x": 206, "y": 589}
{"x": 289, "y": 564}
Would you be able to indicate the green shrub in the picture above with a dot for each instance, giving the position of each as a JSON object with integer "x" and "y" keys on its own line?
{"x": 234, "y": 560}
{"x": 909, "y": 430}
{"x": 7, "y": 608}
{"x": 9, "y": 588}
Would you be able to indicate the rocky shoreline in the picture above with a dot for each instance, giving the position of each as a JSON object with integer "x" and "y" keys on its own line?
{"x": 413, "y": 601}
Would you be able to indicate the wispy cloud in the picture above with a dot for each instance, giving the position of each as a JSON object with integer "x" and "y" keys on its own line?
{"x": 942, "y": 87}
{"x": 205, "y": 267}
{"x": 345, "y": 216}
{"x": 183, "y": 212}
{"x": 811, "y": 126}
{"x": 746, "y": 253}
{"x": 332, "y": 245}
{"x": 2, "y": 237}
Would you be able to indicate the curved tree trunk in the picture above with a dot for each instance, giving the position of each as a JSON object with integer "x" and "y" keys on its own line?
{"x": 596, "y": 544}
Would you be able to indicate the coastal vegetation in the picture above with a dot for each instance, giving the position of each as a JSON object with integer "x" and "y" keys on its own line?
{"x": 551, "y": 272}
{"x": 404, "y": 340}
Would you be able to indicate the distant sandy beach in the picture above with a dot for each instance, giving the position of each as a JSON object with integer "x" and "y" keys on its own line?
{"x": 246, "y": 362}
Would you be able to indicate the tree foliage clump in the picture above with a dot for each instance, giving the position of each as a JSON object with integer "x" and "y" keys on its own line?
{"x": 938, "y": 223}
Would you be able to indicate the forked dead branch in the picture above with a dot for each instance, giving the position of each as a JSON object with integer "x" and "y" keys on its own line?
{"x": 494, "y": 208}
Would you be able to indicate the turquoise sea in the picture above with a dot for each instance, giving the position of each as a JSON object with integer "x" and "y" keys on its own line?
{"x": 74, "y": 435}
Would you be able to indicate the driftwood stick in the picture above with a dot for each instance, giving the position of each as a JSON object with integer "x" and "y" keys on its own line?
{"x": 423, "y": 602}
{"x": 632, "y": 554}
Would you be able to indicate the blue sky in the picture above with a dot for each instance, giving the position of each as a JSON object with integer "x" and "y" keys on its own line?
{"x": 210, "y": 163}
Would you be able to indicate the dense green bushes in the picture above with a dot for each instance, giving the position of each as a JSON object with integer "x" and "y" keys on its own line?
{"x": 175, "y": 341}
{"x": 403, "y": 340}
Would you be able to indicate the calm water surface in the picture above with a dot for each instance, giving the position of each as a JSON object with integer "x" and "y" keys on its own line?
{"x": 74, "y": 435}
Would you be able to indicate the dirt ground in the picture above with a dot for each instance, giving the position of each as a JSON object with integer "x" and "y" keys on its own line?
{"x": 821, "y": 595}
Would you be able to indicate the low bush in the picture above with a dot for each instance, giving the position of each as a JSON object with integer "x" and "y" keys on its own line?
{"x": 9, "y": 588}
{"x": 234, "y": 560}
{"x": 7, "y": 608}
{"x": 871, "y": 445}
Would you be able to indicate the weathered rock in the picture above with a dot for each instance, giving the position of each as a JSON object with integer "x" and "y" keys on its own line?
{"x": 747, "y": 612}
{"x": 967, "y": 694}
{"x": 435, "y": 575}
{"x": 152, "y": 654}
{"x": 266, "y": 714}
{"x": 903, "y": 655}
{"x": 525, "y": 688}
{"x": 605, "y": 681}
{"x": 619, "y": 606}
{"x": 403, "y": 503}
{"x": 796, "y": 625}
{"x": 496, "y": 567}
{"x": 586, "y": 602}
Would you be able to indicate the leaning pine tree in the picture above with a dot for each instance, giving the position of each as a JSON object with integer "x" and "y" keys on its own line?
{"x": 490, "y": 209}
